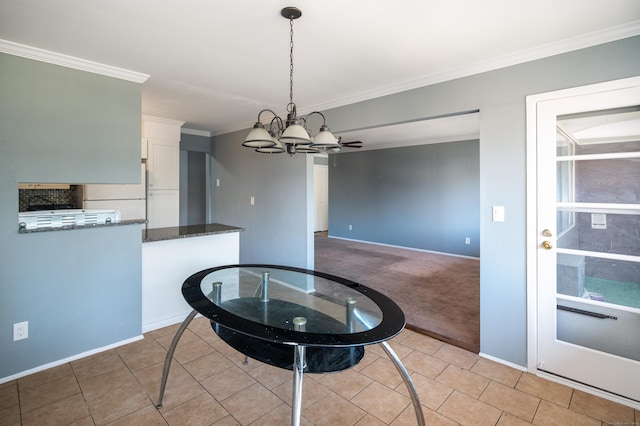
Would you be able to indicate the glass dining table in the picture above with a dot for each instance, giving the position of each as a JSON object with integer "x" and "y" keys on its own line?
{"x": 293, "y": 318}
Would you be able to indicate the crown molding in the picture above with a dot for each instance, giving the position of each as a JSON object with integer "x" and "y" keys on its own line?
{"x": 161, "y": 120}
{"x": 194, "y": 132}
{"x": 47, "y": 56}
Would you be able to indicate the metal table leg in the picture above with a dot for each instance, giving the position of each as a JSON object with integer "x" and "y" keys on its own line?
{"x": 407, "y": 381}
{"x": 299, "y": 324}
{"x": 169, "y": 357}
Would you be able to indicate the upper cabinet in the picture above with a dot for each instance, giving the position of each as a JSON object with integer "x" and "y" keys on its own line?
{"x": 161, "y": 144}
{"x": 163, "y": 164}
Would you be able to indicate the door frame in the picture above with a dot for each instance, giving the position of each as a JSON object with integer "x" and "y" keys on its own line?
{"x": 532, "y": 227}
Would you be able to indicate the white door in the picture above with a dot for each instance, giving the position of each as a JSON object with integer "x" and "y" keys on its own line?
{"x": 321, "y": 197}
{"x": 587, "y": 245}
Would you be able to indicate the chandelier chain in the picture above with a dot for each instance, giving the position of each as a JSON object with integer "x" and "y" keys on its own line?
{"x": 291, "y": 62}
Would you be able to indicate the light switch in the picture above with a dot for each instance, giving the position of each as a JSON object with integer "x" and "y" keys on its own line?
{"x": 498, "y": 213}
{"x": 252, "y": 201}
{"x": 217, "y": 182}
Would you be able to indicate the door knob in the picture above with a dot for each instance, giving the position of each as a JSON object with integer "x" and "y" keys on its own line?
{"x": 546, "y": 245}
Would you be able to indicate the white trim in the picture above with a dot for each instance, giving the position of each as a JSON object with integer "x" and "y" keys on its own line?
{"x": 503, "y": 362}
{"x": 588, "y": 389}
{"x": 600, "y": 254}
{"x": 532, "y": 232}
{"x": 194, "y": 132}
{"x": 406, "y": 248}
{"x": 595, "y": 38}
{"x": 165, "y": 322}
{"x": 600, "y": 208}
{"x": 47, "y": 56}
{"x": 162, "y": 120}
{"x": 531, "y": 226}
{"x": 610, "y": 156}
{"x": 70, "y": 359}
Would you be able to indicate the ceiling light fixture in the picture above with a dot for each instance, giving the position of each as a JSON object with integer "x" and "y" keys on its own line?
{"x": 290, "y": 135}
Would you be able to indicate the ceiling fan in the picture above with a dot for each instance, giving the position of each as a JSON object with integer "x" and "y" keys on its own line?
{"x": 350, "y": 144}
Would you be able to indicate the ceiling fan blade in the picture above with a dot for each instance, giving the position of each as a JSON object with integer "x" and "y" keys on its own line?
{"x": 352, "y": 144}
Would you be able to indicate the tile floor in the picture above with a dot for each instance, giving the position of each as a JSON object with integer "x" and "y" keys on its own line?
{"x": 210, "y": 385}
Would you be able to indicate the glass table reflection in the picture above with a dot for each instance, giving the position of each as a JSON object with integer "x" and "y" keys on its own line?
{"x": 293, "y": 318}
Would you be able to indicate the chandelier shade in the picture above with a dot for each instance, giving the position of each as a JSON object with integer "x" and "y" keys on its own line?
{"x": 276, "y": 148}
{"x": 295, "y": 134}
{"x": 325, "y": 139}
{"x": 259, "y": 137}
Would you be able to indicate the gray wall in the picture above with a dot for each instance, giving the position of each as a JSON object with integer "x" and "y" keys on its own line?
{"x": 194, "y": 152}
{"x": 79, "y": 290}
{"x": 500, "y": 97}
{"x": 425, "y": 197}
{"x": 278, "y": 228}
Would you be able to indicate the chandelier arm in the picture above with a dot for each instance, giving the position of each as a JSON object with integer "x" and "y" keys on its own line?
{"x": 266, "y": 110}
{"x": 324, "y": 120}
{"x": 278, "y": 122}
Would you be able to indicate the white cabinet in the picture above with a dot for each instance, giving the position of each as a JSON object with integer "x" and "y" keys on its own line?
{"x": 163, "y": 208}
{"x": 163, "y": 164}
{"x": 162, "y": 139}
{"x": 143, "y": 148}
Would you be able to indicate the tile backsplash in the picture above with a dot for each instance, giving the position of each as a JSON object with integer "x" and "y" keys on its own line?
{"x": 31, "y": 197}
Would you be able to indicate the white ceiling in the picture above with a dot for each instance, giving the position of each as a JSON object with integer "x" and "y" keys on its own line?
{"x": 215, "y": 64}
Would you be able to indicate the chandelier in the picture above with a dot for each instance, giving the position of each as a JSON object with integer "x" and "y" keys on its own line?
{"x": 290, "y": 135}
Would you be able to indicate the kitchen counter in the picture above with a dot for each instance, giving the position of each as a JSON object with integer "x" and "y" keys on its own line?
{"x": 175, "y": 232}
{"x": 171, "y": 255}
{"x": 93, "y": 225}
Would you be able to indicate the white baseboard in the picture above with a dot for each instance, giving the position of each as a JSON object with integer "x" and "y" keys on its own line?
{"x": 502, "y": 361}
{"x": 165, "y": 322}
{"x": 69, "y": 359}
{"x": 590, "y": 390}
{"x": 403, "y": 247}
{"x": 574, "y": 385}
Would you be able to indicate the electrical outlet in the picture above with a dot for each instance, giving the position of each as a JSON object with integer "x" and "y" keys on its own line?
{"x": 467, "y": 240}
{"x": 20, "y": 330}
{"x": 350, "y": 227}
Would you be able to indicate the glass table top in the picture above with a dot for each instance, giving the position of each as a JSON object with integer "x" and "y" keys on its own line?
{"x": 267, "y": 301}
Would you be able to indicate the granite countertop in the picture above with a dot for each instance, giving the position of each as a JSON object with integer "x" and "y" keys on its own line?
{"x": 175, "y": 232}
{"x": 94, "y": 225}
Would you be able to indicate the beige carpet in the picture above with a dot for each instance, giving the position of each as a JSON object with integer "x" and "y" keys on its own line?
{"x": 439, "y": 294}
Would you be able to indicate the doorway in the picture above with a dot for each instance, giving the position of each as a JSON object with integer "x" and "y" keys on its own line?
{"x": 583, "y": 242}
{"x": 321, "y": 197}
{"x": 197, "y": 178}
